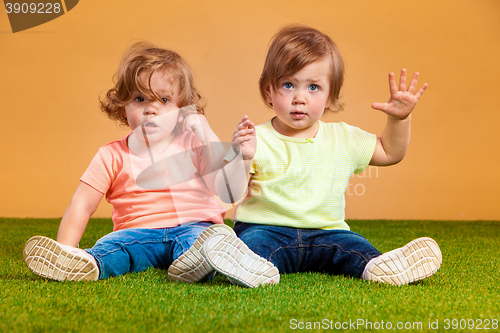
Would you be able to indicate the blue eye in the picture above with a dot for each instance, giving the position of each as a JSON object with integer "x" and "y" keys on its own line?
{"x": 313, "y": 87}
{"x": 287, "y": 85}
{"x": 139, "y": 99}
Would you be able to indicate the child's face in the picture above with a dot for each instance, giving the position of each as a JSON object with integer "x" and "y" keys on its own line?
{"x": 159, "y": 119}
{"x": 301, "y": 100}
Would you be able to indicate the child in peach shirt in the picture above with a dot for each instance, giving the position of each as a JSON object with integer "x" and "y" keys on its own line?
{"x": 161, "y": 180}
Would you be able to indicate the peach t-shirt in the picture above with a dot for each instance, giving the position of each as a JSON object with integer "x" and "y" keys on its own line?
{"x": 146, "y": 195}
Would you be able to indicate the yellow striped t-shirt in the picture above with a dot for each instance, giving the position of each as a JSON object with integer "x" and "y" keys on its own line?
{"x": 300, "y": 183}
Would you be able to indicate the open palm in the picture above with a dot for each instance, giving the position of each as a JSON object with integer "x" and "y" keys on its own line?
{"x": 402, "y": 101}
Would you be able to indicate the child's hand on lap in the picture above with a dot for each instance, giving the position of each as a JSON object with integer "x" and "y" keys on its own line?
{"x": 402, "y": 101}
{"x": 245, "y": 139}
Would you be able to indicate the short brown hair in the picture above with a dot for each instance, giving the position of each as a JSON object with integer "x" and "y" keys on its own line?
{"x": 295, "y": 47}
{"x": 145, "y": 56}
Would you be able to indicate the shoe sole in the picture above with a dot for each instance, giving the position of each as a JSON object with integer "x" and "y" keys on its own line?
{"x": 191, "y": 266}
{"x": 228, "y": 255}
{"x": 47, "y": 258}
{"x": 413, "y": 262}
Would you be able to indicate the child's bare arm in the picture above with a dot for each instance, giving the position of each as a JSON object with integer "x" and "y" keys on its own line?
{"x": 74, "y": 221}
{"x": 392, "y": 145}
{"x": 213, "y": 149}
{"x": 235, "y": 174}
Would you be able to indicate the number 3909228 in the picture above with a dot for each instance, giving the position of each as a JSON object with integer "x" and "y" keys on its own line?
{"x": 38, "y": 8}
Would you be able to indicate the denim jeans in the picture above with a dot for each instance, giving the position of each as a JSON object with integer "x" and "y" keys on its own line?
{"x": 135, "y": 250}
{"x": 292, "y": 250}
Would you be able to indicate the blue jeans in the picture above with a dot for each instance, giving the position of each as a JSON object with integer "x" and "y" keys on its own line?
{"x": 292, "y": 250}
{"x": 135, "y": 250}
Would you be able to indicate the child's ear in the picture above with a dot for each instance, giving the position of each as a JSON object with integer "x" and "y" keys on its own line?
{"x": 267, "y": 91}
{"x": 327, "y": 105}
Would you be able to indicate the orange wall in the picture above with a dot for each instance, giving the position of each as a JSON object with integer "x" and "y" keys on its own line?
{"x": 51, "y": 76}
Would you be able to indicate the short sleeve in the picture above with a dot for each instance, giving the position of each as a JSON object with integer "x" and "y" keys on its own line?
{"x": 361, "y": 145}
{"x": 99, "y": 174}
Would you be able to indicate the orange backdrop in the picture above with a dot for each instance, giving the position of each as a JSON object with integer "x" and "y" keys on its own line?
{"x": 51, "y": 77}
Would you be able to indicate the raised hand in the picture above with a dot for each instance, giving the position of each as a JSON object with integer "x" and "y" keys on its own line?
{"x": 244, "y": 139}
{"x": 198, "y": 124}
{"x": 402, "y": 101}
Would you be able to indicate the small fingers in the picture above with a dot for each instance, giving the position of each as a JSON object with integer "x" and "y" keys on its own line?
{"x": 244, "y": 123}
{"x": 243, "y": 120}
{"x": 243, "y": 132}
{"x": 393, "y": 88}
{"x": 240, "y": 127}
{"x": 187, "y": 126}
{"x": 402, "y": 80}
{"x": 421, "y": 91}
{"x": 402, "y": 84}
{"x": 241, "y": 140}
{"x": 188, "y": 123}
{"x": 413, "y": 83}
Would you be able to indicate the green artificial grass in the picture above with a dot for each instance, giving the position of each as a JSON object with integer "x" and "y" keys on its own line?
{"x": 466, "y": 289}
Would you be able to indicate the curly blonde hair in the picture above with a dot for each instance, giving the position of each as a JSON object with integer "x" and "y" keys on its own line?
{"x": 147, "y": 57}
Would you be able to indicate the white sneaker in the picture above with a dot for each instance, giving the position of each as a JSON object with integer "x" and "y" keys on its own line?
{"x": 191, "y": 266}
{"x": 415, "y": 261}
{"x": 229, "y": 255}
{"x": 49, "y": 259}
